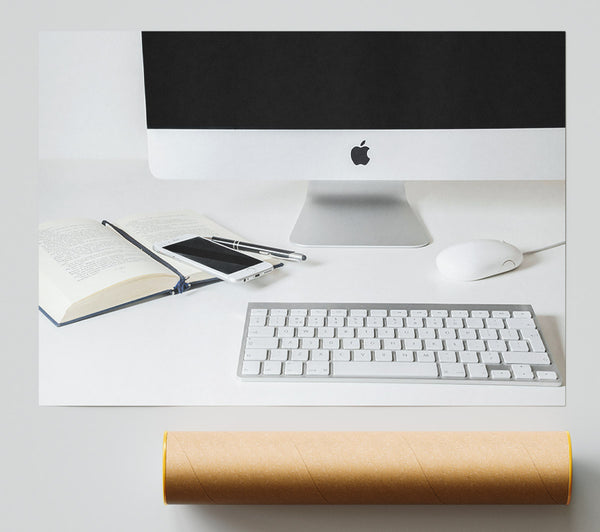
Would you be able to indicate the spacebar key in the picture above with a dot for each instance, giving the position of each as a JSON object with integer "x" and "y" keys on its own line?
{"x": 385, "y": 369}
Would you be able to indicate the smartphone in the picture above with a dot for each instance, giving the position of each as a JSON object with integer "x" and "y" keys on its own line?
{"x": 223, "y": 262}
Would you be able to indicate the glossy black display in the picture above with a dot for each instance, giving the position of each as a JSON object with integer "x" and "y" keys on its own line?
{"x": 215, "y": 256}
{"x": 354, "y": 80}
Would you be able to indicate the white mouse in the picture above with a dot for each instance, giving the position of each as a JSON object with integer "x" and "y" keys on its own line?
{"x": 478, "y": 259}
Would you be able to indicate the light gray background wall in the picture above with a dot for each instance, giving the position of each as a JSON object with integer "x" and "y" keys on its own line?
{"x": 97, "y": 469}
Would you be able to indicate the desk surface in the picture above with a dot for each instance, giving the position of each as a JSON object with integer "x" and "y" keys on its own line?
{"x": 178, "y": 350}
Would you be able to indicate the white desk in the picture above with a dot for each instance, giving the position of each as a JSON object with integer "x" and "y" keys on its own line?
{"x": 177, "y": 351}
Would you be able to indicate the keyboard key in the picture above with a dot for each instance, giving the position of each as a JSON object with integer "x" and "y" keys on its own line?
{"x": 515, "y": 357}
{"x": 257, "y": 321}
{"x": 504, "y": 314}
{"x": 293, "y": 368}
{"x": 385, "y": 332}
{"x": 438, "y": 313}
{"x": 355, "y": 321}
{"x": 392, "y": 343}
{"x": 365, "y": 332}
{"x": 459, "y": 313}
{"x": 351, "y": 343}
{"x": 278, "y": 321}
{"x": 467, "y": 334}
{"x": 394, "y": 322}
{"x": 521, "y": 314}
{"x": 262, "y": 343}
{"x": 517, "y": 345}
{"x": 318, "y": 354}
{"x": 480, "y": 314}
{"x": 446, "y": 356}
{"x": 413, "y": 344}
{"x": 258, "y": 312}
{"x": 261, "y": 332}
{"x": 436, "y": 322}
{"x": 399, "y": 313}
{"x": 338, "y": 312}
{"x": 496, "y": 345}
{"x": 385, "y": 369}
{"x": 414, "y": 322}
{"x": 378, "y": 313}
{"x": 474, "y": 323}
{"x": 467, "y": 356}
{"x": 340, "y": 354}
{"x": 454, "y": 345}
{"x": 374, "y": 321}
{"x": 475, "y": 345}
{"x": 361, "y": 355}
{"x": 522, "y": 372}
{"x": 454, "y": 323}
{"x": 509, "y": 334}
{"x": 452, "y": 370}
{"x": 546, "y": 375}
{"x": 250, "y": 368}
{"x": 434, "y": 344}
{"x": 382, "y": 355}
{"x": 298, "y": 312}
{"x": 534, "y": 339}
{"x": 335, "y": 321}
{"x": 299, "y": 354}
{"x": 285, "y": 332}
{"x": 489, "y": 357}
{"x": 319, "y": 369}
{"x": 278, "y": 354}
{"x": 360, "y": 312}
{"x": 278, "y": 312}
{"x": 325, "y": 332}
{"x": 330, "y": 343}
{"x": 293, "y": 321}
{"x": 425, "y": 356}
{"x": 404, "y": 332}
{"x": 447, "y": 333}
{"x": 371, "y": 343}
{"x": 477, "y": 371}
{"x": 426, "y": 333}
{"x": 290, "y": 343}
{"x": 418, "y": 313}
{"x": 519, "y": 323}
{"x": 318, "y": 312}
{"x": 255, "y": 354}
{"x": 309, "y": 343}
{"x": 271, "y": 368}
{"x": 500, "y": 374}
{"x": 407, "y": 356}
{"x": 494, "y": 323}
{"x": 306, "y": 332}
{"x": 487, "y": 334}
{"x": 345, "y": 332}
{"x": 315, "y": 321}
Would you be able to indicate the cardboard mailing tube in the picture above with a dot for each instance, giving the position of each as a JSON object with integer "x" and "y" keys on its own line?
{"x": 367, "y": 467}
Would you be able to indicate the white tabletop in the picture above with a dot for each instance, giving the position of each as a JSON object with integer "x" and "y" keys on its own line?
{"x": 183, "y": 350}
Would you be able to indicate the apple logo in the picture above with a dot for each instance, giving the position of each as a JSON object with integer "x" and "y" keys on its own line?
{"x": 359, "y": 154}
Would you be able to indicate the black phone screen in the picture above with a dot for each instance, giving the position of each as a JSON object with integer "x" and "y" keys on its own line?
{"x": 212, "y": 255}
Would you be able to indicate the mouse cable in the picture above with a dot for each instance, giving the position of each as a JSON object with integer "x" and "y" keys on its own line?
{"x": 545, "y": 248}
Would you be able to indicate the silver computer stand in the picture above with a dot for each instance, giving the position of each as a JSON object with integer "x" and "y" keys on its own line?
{"x": 358, "y": 213}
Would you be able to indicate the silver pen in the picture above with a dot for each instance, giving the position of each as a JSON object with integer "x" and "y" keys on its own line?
{"x": 257, "y": 248}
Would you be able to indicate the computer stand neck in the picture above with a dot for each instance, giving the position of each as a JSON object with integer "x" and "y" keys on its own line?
{"x": 358, "y": 214}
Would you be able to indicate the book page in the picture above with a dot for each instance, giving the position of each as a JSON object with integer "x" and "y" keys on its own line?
{"x": 79, "y": 258}
{"x": 154, "y": 228}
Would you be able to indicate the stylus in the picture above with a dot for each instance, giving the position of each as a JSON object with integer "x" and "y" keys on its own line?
{"x": 257, "y": 248}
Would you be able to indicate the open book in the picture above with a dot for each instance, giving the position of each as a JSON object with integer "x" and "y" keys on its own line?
{"x": 88, "y": 268}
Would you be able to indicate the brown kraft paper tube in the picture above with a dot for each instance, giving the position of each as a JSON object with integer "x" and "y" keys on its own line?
{"x": 367, "y": 467}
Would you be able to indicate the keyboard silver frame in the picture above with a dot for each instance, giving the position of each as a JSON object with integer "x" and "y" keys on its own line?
{"x": 399, "y": 380}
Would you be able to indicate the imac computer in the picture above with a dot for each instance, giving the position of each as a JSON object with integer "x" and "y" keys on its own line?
{"x": 356, "y": 114}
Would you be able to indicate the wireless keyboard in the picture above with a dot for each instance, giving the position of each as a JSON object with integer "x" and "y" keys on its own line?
{"x": 476, "y": 344}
